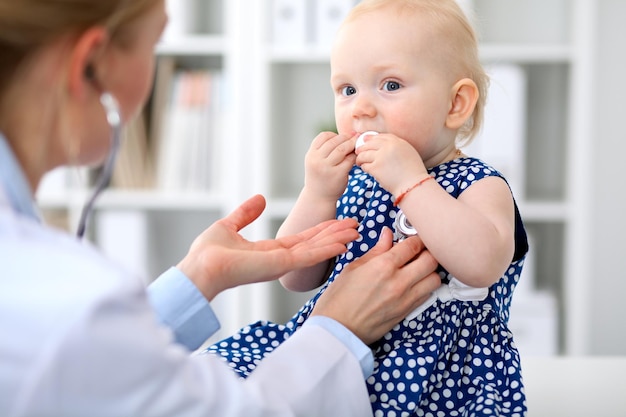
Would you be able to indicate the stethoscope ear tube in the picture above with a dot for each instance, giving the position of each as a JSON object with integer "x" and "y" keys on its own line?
{"x": 114, "y": 119}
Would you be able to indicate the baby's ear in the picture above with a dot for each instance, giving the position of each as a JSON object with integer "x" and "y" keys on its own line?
{"x": 464, "y": 95}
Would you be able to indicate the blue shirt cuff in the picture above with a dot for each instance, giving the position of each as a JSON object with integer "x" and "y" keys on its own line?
{"x": 359, "y": 349}
{"x": 182, "y": 307}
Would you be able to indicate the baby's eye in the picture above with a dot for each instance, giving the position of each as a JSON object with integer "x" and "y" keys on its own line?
{"x": 348, "y": 90}
{"x": 391, "y": 86}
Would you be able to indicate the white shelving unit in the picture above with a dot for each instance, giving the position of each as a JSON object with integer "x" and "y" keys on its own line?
{"x": 279, "y": 98}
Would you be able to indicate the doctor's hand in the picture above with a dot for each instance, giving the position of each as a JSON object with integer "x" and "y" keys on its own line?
{"x": 220, "y": 258}
{"x": 378, "y": 290}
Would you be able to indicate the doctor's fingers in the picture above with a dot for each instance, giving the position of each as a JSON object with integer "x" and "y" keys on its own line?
{"x": 323, "y": 233}
{"x": 246, "y": 213}
{"x": 400, "y": 253}
{"x": 406, "y": 285}
{"x": 416, "y": 281}
{"x": 387, "y": 293}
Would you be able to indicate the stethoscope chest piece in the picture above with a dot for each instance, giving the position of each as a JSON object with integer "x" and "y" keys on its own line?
{"x": 361, "y": 139}
{"x": 402, "y": 227}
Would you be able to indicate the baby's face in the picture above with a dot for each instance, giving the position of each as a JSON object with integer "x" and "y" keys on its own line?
{"x": 388, "y": 76}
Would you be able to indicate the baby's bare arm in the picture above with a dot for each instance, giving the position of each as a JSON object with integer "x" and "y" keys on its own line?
{"x": 327, "y": 164}
{"x": 472, "y": 236}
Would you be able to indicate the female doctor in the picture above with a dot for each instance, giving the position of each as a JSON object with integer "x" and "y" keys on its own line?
{"x": 78, "y": 335}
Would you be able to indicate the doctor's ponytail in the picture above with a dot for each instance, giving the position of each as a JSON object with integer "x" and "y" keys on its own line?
{"x": 28, "y": 25}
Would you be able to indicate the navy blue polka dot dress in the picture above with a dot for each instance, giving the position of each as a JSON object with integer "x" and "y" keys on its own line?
{"x": 456, "y": 358}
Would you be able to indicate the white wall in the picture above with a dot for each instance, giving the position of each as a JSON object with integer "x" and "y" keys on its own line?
{"x": 606, "y": 166}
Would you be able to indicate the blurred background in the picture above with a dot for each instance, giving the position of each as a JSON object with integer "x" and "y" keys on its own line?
{"x": 243, "y": 87}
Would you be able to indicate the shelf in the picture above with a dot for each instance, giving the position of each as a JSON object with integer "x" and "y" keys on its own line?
{"x": 193, "y": 45}
{"x": 160, "y": 200}
{"x": 539, "y": 212}
{"x": 523, "y": 54}
{"x": 533, "y": 211}
{"x": 514, "y": 53}
{"x": 61, "y": 201}
{"x": 138, "y": 200}
{"x": 279, "y": 208}
{"x": 301, "y": 55}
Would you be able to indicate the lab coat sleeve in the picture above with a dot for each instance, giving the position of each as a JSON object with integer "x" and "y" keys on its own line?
{"x": 362, "y": 352}
{"x": 318, "y": 375}
{"x": 180, "y": 306}
{"x": 116, "y": 360}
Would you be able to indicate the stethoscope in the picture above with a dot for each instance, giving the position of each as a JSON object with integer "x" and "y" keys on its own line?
{"x": 114, "y": 119}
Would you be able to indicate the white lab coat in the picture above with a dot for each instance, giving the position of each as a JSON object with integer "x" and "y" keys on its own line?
{"x": 79, "y": 338}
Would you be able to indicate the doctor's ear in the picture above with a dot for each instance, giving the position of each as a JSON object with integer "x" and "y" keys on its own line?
{"x": 88, "y": 50}
{"x": 90, "y": 73}
{"x": 91, "y": 77}
{"x": 464, "y": 95}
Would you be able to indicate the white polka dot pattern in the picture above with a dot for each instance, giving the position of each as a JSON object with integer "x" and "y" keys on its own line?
{"x": 455, "y": 359}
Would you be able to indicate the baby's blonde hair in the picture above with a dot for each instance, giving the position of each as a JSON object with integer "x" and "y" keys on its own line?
{"x": 461, "y": 44}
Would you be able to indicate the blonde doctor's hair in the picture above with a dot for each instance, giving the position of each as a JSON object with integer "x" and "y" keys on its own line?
{"x": 459, "y": 46}
{"x": 28, "y": 25}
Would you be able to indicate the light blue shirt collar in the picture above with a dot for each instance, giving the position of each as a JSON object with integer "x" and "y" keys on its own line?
{"x": 14, "y": 183}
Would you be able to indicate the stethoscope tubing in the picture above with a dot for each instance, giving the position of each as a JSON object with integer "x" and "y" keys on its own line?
{"x": 114, "y": 119}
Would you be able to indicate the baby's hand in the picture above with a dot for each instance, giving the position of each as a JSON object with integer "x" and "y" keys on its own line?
{"x": 393, "y": 161}
{"x": 327, "y": 164}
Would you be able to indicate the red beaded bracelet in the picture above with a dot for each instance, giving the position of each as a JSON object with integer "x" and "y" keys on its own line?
{"x": 411, "y": 188}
